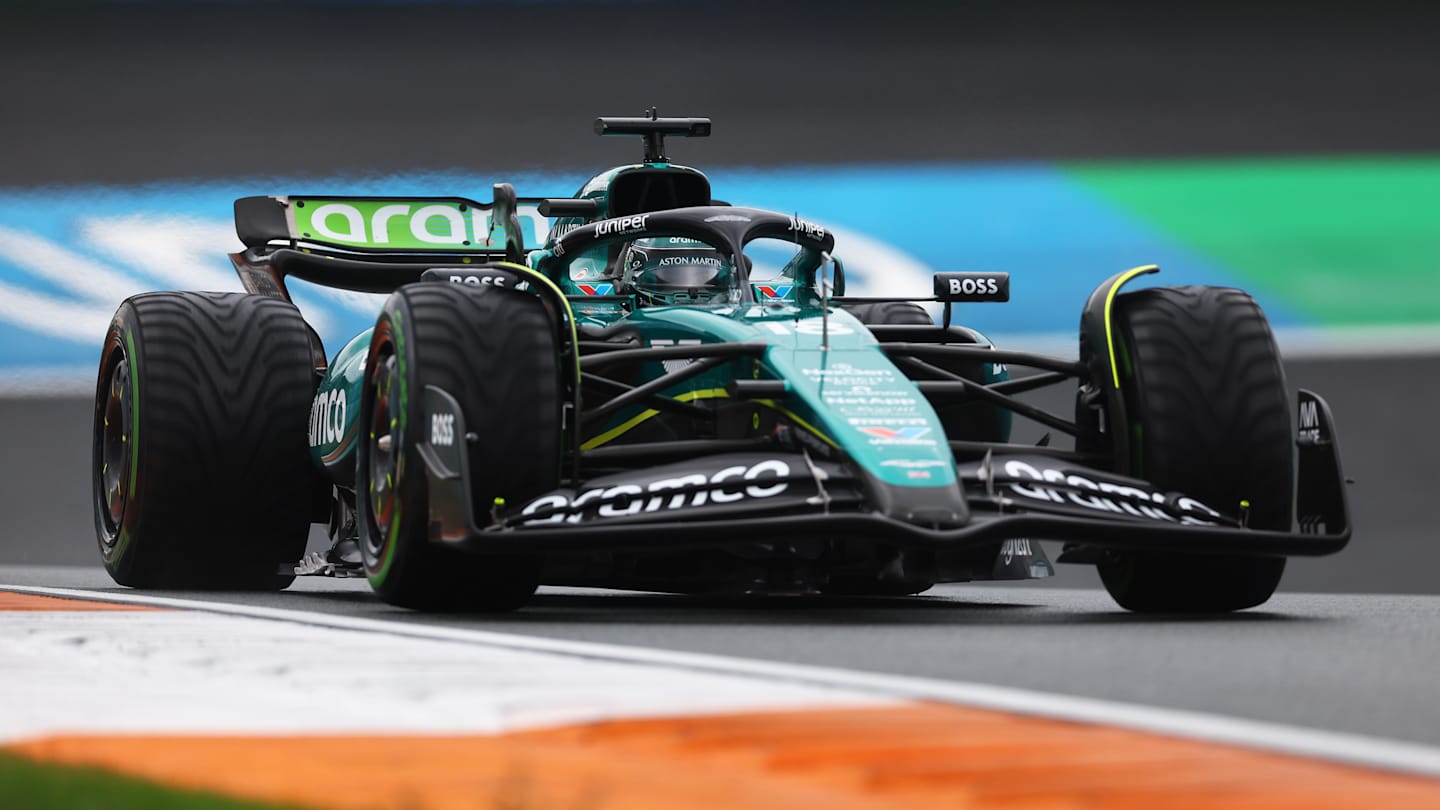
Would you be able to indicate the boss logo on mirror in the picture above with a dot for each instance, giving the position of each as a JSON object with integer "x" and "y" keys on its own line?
{"x": 972, "y": 286}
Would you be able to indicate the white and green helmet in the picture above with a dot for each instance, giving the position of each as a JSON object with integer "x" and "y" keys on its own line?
{"x": 677, "y": 270}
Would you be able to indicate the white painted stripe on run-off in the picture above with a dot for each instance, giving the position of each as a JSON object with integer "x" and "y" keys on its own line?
{"x": 1351, "y": 748}
{"x": 193, "y": 672}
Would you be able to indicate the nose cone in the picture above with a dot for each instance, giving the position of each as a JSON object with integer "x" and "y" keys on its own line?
{"x": 934, "y": 507}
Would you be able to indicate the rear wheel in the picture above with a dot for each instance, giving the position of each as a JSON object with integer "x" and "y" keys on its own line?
{"x": 1209, "y": 417}
{"x": 494, "y": 352}
{"x": 201, "y": 474}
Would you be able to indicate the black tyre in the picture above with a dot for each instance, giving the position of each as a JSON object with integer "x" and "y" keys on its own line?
{"x": 891, "y": 313}
{"x": 1209, "y": 417}
{"x": 202, "y": 476}
{"x": 494, "y": 352}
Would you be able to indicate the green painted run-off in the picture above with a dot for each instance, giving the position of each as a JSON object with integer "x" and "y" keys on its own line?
{"x": 1352, "y": 240}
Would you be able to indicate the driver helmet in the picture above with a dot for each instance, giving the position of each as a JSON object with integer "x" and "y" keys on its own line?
{"x": 677, "y": 270}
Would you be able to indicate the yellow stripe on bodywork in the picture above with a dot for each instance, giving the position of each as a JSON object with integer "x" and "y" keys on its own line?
{"x": 621, "y": 429}
{"x": 1109, "y": 301}
{"x": 792, "y": 416}
{"x": 532, "y": 273}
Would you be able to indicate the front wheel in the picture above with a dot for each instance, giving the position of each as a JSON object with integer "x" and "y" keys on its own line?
{"x": 495, "y": 353}
{"x": 1209, "y": 417}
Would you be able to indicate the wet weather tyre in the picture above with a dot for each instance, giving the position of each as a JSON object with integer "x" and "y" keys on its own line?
{"x": 201, "y": 472}
{"x": 493, "y": 351}
{"x": 1206, "y": 398}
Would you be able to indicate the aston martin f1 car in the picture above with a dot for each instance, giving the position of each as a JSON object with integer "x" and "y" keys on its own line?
{"x": 643, "y": 387}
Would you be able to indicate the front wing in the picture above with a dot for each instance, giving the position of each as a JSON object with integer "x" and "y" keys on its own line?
{"x": 761, "y": 494}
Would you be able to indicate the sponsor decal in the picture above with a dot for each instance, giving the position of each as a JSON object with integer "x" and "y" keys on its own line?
{"x": 771, "y": 292}
{"x": 690, "y": 261}
{"x": 432, "y": 224}
{"x": 876, "y": 406}
{"x": 596, "y": 289}
{"x": 679, "y": 362}
{"x": 912, "y": 463}
{"x": 858, "y": 380}
{"x": 327, "y": 418}
{"x": 484, "y": 280}
{"x": 1310, "y": 420}
{"x": 808, "y": 327}
{"x": 605, "y": 227}
{"x": 442, "y": 429}
{"x": 1010, "y": 549}
{"x": 865, "y": 391}
{"x": 890, "y": 421}
{"x": 807, "y": 229}
{"x": 900, "y": 435}
{"x": 763, "y": 479}
{"x": 917, "y": 474}
{"x": 727, "y": 218}
{"x": 972, "y": 286}
{"x": 399, "y": 224}
{"x": 862, "y": 402}
{"x": 1191, "y": 511}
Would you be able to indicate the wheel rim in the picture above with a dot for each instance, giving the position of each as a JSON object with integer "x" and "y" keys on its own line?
{"x": 115, "y": 449}
{"x": 384, "y": 451}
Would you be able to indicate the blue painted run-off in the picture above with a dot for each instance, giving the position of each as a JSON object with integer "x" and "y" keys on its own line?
{"x": 69, "y": 256}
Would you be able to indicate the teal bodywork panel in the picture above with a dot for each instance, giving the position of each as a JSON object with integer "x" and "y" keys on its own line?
{"x": 848, "y": 393}
{"x": 335, "y": 413}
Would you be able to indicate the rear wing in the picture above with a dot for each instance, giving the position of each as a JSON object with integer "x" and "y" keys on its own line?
{"x": 376, "y": 244}
{"x": 503, "y": 229}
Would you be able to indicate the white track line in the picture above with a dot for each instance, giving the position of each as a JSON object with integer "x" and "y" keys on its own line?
{"x": 1341, "y": 747}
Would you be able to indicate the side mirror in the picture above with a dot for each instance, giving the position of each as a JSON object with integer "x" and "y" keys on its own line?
{"x": 838, "y": 283}
{"x": 967, "y": 287}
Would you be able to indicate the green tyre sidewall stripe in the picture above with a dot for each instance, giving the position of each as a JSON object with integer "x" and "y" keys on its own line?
{"x": 387, "y": 558}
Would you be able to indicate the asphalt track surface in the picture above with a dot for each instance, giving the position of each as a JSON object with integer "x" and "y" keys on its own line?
{"x": 1353, "y": 664}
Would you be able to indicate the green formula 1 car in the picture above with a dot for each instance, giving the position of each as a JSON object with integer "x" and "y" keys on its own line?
{"x": 642, "y": 387}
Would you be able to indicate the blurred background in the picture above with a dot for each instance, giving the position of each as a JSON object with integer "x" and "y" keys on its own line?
{"x": 1291, "y": 150}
